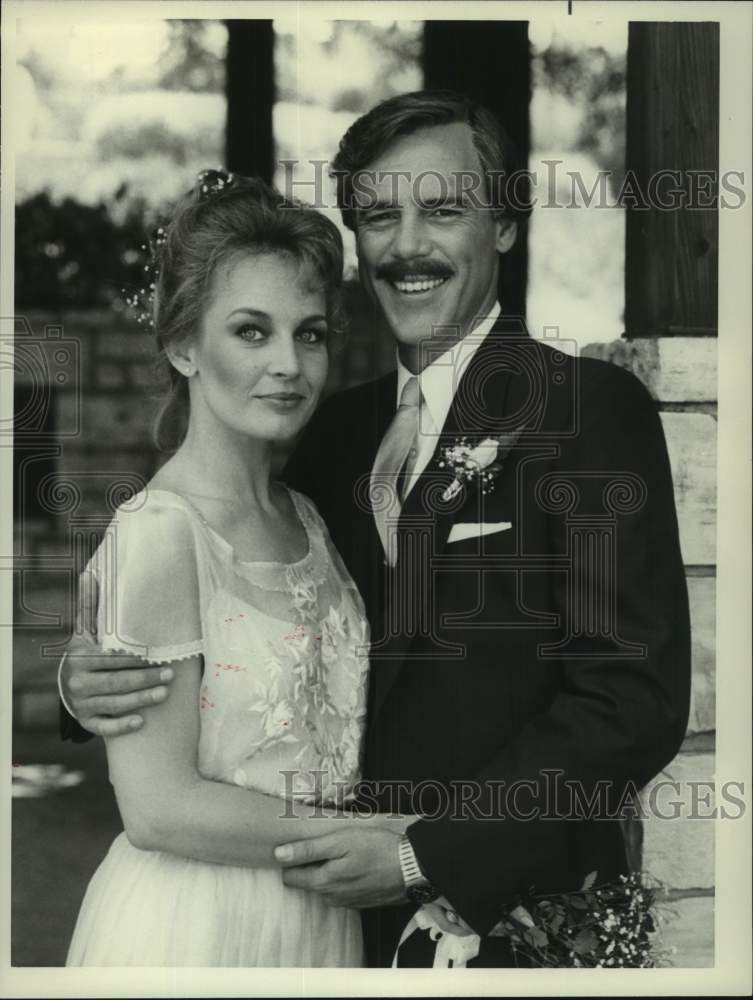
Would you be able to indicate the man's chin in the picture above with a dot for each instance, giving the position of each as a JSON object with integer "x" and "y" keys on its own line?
{"x": 412, "y": 325}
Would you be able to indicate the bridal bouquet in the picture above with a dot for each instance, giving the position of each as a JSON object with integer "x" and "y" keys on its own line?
{"x": 599, "y": 926}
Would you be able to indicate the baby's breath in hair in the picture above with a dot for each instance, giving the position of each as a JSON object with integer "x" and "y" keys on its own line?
{"x": 141, "y": 302}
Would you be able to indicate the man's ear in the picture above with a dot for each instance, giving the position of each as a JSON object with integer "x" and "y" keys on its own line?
{"x": 507, "y": 232}
{"x": 181, "y": 356}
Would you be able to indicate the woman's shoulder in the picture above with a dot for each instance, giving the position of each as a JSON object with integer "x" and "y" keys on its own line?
{"x": 157, "y": 520}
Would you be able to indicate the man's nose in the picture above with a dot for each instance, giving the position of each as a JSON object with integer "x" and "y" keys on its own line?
{"x": 411, "y": 237}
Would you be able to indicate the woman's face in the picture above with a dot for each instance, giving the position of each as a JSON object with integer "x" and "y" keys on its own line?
{"x": 260, "y": 358}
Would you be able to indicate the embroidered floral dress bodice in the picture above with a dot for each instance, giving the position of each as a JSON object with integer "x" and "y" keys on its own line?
{"x": 285, "y": 646}
{"x": 281, "y": 708}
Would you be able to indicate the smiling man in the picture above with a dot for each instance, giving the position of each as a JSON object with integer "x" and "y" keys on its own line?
{"x": 513, "y": 680}
{"x": 496, "y": 709}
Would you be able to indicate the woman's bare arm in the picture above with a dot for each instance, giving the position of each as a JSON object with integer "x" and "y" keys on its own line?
{"x": 166, "y": 805}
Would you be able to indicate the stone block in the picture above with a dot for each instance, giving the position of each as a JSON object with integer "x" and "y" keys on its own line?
{"x": 673, "y": 369}
{"x": 125, "y": 344}
{"x": 110, "y": 376}
{"x": 36, "y": 655}
{"x": 146, "y": 377}
{"x": 702, "y": 595}
{"x": 43, "y": 597}
{"x": 688, "y": 931}
{"x": 105, "y": 420}
{"x": 691, "y": 442}
{"x": 678, "y": 831}
{"x": 36, "y": 709}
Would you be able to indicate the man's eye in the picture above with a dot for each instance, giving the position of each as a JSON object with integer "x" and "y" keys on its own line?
{"x": 250, "y": 332}
{"x": 312, "y": 335}
{"x": 380, "y": 217}
{"x": 446, "y": 213}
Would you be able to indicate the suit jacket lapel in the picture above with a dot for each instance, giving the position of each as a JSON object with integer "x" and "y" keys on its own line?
{"x": 478, "y": 409}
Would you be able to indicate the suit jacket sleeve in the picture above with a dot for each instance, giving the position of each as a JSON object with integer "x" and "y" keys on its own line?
{"x": 70, "y": 728}
{"x": 613, "y": 720}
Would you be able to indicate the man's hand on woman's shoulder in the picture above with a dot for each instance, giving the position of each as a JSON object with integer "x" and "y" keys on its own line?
{"x": 105, "y": 690}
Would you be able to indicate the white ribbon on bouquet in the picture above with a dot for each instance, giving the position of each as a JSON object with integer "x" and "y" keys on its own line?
{"x": 452, "y": 950}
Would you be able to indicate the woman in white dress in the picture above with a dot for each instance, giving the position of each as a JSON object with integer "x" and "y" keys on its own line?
{"x": 227, "y": 575}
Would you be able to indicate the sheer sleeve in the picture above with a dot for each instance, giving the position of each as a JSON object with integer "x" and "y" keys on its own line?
{"x": 149, "y": 600}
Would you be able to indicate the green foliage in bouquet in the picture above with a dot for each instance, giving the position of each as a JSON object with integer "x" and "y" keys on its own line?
{"x": 611, "y": 925}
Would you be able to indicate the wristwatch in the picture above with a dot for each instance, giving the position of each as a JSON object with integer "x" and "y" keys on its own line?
{"x": 417, "y": 886}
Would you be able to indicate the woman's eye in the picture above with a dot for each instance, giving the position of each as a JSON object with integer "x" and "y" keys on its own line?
{"x": 312, "y": 335}
{"x": 250, "y": 332}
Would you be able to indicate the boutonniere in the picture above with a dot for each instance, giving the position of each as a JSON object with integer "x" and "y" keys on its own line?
{"x": 479, "y": 461}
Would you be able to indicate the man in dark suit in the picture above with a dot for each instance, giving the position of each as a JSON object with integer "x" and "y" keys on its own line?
{"x": 507, "y": 512}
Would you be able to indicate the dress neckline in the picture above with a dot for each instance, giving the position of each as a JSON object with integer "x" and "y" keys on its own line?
{"x": 225, "y": 544}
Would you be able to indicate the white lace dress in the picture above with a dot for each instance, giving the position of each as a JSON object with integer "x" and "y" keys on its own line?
{"x": 282, "y": 710}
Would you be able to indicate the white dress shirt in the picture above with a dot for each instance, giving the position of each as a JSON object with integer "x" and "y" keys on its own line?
{"x": 438, "y": 383}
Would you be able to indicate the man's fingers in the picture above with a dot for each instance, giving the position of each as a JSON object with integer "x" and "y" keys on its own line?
{"x": 305, "y": 852}
{"x": 100, "y": 726}
{"x": 121, "y": 704}
{"x": 92, "y": 659}
{"x": 102, "y": 679}
{"x": 323, "y": 879}
{"x": 88, "y": 602}
{"x": 301, "y": 878}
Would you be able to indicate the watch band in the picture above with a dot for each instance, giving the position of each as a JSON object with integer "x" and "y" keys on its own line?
{"x": 417, "y": 886}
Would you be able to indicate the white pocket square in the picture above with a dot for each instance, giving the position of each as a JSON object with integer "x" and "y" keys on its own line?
{"x": 461, "y": 531}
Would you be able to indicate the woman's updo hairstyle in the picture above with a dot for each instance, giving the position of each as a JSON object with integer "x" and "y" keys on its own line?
{"x": 223, "y": 217}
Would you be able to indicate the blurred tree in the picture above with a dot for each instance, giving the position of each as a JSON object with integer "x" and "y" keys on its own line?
{"x": 179, "y": 125}
{"x": 383, "y": 58}
{"x": 594, "y": 79}
{"x": 193, "y": 59}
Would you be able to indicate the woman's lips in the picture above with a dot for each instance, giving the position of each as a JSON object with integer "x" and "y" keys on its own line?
{"x": 282, "y": 400}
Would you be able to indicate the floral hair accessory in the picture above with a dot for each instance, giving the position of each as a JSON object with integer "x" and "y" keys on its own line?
{"x": 480, "y": 461}
{"x": 142, "y": 301}
{"x": 213, "y": 182}
{"x": 210, "y": 183}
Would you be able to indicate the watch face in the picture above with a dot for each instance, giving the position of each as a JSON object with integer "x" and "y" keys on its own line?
{"x": 421, "y": 894}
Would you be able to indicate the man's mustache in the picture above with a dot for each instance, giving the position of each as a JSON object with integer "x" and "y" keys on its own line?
{"x": 399, "y": 270}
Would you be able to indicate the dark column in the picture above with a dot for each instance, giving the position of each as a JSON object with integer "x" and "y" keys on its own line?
{"x": 671, "y": 256}
{"x": 490, "y": 62}
{"x": 250, "y": 89}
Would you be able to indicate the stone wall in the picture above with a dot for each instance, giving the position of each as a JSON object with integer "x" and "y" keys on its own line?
{"x": 681, "y": 374}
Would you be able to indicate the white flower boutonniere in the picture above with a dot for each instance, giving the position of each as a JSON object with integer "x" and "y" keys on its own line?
{"x": 479, "y": 461}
